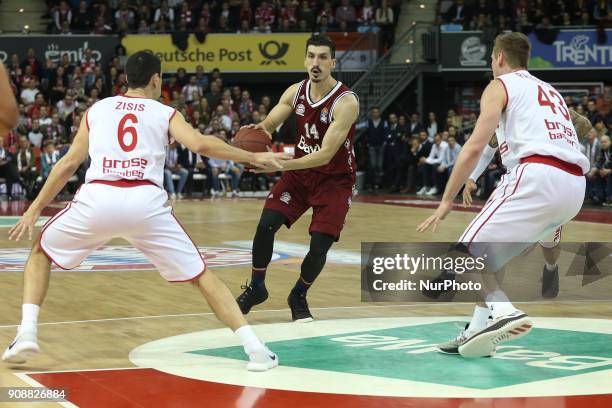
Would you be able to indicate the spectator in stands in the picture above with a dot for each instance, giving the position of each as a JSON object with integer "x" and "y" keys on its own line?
{"x": 192, "y": 90}
{"x": 431, "y": 164}
{"x": 35, "y": 136}
{"x": 48, "y": 158}
{"x": 100, "y": 27}
{"x": 62, "y": 14}
{"x": 415, "y": 127}
{"x": 56, "y": 131}
{"x": 432, "y": 125}
{"x": 421, "y": 153}
{"x": 600, "y": 126}
{"x": 448, "y": 162}
{"x": 246, "y": 13}
{"x": 201, "y": 78}
{"x": 43, "y": 118}
{"x": 165, "y": 14}
{"x": 82, "y": 18}
{"x": 214, "y": 95}
{"x": 227, "y": 167}
{"x": 306, "y": 15}
{"x": 266, "y": 13}
{"x": 24, "y": 160}
{"x": 592, "y": 115}
{"x": 195, "y": 164}
{"x": 603, "y": 181}
{"x": 29, "y": 92}
{"x": 385, "y": 20}
{"x": 8, "y": 170}
{"x": 346, "y": 12}
{"x": 66, "y": 106}
{"x": 366, "y": 14}
{"x": 173, "y": 167}
{"x": 32, "y": 62}
{"x": 376, "y": 132}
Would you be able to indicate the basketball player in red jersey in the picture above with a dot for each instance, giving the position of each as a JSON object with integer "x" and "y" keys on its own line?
{"x": 9, "y": 113}
{"x": 321, "y": 175}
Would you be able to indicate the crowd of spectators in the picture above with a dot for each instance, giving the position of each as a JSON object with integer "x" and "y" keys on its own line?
{"x": 231, "y": 16}
{"x": 521, "y": 15}
{"x": 411, "y": 155}
{"x": 54, "y": 97}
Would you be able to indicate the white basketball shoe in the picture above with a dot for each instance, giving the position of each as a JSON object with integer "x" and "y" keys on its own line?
{"x": 23, "y": 347}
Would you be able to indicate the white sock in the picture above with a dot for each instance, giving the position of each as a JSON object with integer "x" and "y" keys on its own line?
{"x": 499, "y": 304}
{"x": 250, "y": 341}
{"x": 550, "y": 267}
{"x": 29, "y": 316}
{"x": 479, "y": 319}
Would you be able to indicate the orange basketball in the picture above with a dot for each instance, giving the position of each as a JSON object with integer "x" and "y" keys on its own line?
{"x": 252, "y": 140}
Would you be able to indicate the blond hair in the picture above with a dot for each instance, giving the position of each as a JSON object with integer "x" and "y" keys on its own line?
{"x": 515, "y": 47}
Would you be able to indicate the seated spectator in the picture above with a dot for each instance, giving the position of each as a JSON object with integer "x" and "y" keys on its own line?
{"x": 430, "y": 164}
{"x": 61, "y": 14}
{"x": 448, "y": 162}
{"x": 48, "y": 159}
{"x": 29, "y": 92}
{"x": 8, "y": 170}
{"x": 421, "y": 154}
{"x": 173, "y": 167}
{"x": 24, "y": 160}
{"x": 192, "y": 90}
{"x": 346, "y": 12}
{"x": 603, "y": 180}
{"x": 43, "y": 117}
{"x": 195, "y": 164}
{"x": 227, "y": 167}
{"x": 66, "y": 106}
{"x": 35, "y": 135}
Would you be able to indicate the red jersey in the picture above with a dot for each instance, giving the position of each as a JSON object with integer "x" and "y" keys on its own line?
{"x": 313, "y": 120}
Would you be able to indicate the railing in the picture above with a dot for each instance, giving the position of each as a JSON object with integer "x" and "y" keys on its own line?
{"x": 392, "y": 72}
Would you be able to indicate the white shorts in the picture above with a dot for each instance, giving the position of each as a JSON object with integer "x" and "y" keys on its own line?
{"x": 139, "y": 214}
{"x": 530, "y": 204}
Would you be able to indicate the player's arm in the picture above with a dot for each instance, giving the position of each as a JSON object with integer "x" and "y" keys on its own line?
{"x": 470, "y": 185}
{"x": 280, "y": 112}
{"x": 9, "y": 112}
{"x": 492, "y": 104}
{"x": 345, "y": 114}
{"x": 61, "y": 172}
{"x": 212, "y": 146}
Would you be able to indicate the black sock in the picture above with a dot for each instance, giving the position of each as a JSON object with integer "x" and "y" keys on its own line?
{"x": 301, "y": 286}
{"x": 258, "y": 276}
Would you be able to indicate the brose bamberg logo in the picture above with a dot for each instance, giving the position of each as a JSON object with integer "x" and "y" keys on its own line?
{"x": 273, "y": 51}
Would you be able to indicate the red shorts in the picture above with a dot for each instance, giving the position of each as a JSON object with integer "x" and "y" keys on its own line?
{"x": 328, "y": 195}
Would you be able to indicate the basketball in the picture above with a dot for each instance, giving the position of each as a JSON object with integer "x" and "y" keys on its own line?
{"x": 252, "y": 140}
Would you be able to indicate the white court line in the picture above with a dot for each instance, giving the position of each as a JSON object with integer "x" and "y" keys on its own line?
{"x": 277, "y": 310}
{"x": 212, "y": 314}
{"x": 80, "y": 370}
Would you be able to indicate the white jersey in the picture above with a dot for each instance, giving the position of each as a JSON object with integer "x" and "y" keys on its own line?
{"x": 128, "y": 137}
{"x": 536, "y": 121}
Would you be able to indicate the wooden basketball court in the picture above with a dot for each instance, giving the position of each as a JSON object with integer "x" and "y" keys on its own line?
{"x": 93, "y": 319}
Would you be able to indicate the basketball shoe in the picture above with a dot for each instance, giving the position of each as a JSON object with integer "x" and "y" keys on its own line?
{"x": 252, "y": 295}
{"x": 260, "y": 358}
{"x": 500, "y": 330}
{"x": 23, "y": 347}
{"x": 300, "y": 312}
{"x": 452, "y": 346}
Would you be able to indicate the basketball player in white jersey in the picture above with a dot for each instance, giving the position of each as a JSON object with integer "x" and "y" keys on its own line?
{"x": 544, "y": 191}
{"x": 126, "y": 137}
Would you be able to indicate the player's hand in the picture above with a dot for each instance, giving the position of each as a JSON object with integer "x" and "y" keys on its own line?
{"x": 470, "y": 185}
{"x": 443, "y": 209}
{"x": 258, "y": 126}
{"x": 25, "y": 224}
{"x": 269, "y": 162}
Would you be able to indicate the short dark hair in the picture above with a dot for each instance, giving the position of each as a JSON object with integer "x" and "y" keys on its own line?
{"x": 140, "y": 67}
{"x": 322, "y": 41}
{"x": 516, "y": 48}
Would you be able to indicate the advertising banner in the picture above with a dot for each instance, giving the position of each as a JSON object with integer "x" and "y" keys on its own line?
{"x": 54, "y": 46}
{"x": 227, "y": 52}
{"x": 571, "y": 49}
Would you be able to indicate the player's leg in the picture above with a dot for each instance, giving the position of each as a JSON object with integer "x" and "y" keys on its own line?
{"x": 160, "y": 236}
{"x": 550, "y": 273}
{"x": 285, "y": 204}
{"x": 312, "y": 265}
{"x": 331, "y": 201}
{"x": 67, "y": 239}
{"x": 537, "y": 199}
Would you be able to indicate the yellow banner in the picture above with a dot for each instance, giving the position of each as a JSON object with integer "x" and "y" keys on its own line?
{"x": 228, "y": 52}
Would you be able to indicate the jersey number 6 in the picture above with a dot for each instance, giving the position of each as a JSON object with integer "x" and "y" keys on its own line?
{"x": 122, "y": 130}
